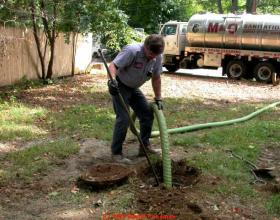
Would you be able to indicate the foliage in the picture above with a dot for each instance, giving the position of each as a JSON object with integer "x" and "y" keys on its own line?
{"x": 112, "y": 19}
{"x": 110, "y": 23}
{"x": 201, "y": 6}
{"x": 102, "y": 18}
{"x": 150, "y": 14}
{"x": 268, "y": 6}
{"x": 115, "y": 41}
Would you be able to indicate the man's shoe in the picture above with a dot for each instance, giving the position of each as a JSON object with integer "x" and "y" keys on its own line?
{"x": 149, "y": 150}
{"x": 118, "y": 158}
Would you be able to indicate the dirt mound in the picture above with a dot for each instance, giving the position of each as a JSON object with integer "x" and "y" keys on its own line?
{"x": 182, "y": 174}
{"x": 170, "y": 201}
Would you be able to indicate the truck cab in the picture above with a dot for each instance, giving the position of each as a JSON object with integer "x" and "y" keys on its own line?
{"x": 174, "y": 34}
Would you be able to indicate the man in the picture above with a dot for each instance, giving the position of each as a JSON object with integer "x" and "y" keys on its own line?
{"x": 132, "y": 67}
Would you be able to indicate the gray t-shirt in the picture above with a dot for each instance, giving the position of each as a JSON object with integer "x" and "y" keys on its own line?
{"x": 134, "y": 68}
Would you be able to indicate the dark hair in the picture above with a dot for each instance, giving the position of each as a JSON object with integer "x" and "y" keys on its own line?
{"x": 154, "y": 43}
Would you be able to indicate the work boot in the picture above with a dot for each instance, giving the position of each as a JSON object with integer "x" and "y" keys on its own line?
{"x": 149, "y": 150}
{"x": 118, "y": 158}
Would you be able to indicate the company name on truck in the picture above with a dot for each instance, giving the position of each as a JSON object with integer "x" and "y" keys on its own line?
{"x": 232, "y": 28}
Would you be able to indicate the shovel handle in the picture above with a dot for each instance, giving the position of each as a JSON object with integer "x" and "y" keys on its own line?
{"x": 105, "y": 63}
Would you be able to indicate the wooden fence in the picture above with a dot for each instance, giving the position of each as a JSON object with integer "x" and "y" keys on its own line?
{"x": 19, "y": 57}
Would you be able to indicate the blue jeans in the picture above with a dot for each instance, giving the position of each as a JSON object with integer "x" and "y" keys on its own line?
{"x": 135, "y": 99}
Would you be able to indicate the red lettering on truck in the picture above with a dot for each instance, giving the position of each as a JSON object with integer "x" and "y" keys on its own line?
{"x": 213, "y": 28}
{"x": 232, "y": 28}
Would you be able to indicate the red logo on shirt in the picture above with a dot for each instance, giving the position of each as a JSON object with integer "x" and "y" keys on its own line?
{"x": 138, "y": 65}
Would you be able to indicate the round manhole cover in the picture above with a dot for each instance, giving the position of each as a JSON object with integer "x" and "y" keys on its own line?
{"x": 105, "y": 174}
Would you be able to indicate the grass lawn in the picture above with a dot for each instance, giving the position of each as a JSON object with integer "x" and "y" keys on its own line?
{"x": 57, "y": 132}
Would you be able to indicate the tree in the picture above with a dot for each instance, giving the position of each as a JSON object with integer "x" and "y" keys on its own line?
{"x": 220, "y": 7}
{"x": 234, "y": 7}
{"x": 79, "y": 16}
{"x": 149, "y": 14}
{"x": 268, "y": 6}
{"x": 40, "y": 15}
{"x": 251, "y": 6}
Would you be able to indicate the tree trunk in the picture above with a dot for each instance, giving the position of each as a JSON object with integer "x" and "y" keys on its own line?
{"x": 74, "y": 43}
{"x": 52, "y": 47}
{"x": 50, "y": 66}
{"x": 51, "y": 35}
{"x": 37, "y": 41}
{"x": 234, "y": 7}
{"x": 251, "y": 6}
{"x": 220, "y": 7}
{"x": 254, "y": 7}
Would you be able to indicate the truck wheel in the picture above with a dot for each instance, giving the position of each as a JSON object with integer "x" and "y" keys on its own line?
{"x": 235, "y": 69}
{"x": 171, "y": 68}
{"x": 263, "y": 72}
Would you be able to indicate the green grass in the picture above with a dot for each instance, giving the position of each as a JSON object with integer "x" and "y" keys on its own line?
{"x": 232, "y": 188}
{"x": 121, "y": 202}
{"x": 65, "y": 197}
{"x": 18, "y": 121}
{"x": 206, "y": 149}
{"x": 86, "y": 121}
{"x": 273, "y": 204}
{"x": 37, "y": 160}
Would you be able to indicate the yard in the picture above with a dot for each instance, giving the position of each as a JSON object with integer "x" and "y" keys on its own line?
{"x": 50, "y": 134}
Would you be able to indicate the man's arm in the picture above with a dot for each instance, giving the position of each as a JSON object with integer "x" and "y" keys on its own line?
{"x": 156, "y": 83}
{"x": 113, "y": 69}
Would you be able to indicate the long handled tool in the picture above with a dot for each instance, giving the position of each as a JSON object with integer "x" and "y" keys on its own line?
{"x": 256, "y": 171}
{"x": 133, "y": 128}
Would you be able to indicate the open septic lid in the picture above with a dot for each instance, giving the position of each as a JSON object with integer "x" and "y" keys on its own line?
{"x": 103, "y": 175}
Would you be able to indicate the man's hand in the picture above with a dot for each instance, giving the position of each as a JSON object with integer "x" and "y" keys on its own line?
{"x": 159, "y": 103}
{"x": 113, "y": 87}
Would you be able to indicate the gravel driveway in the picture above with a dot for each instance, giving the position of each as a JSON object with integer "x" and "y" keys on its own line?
{"x": 178, "y": 86}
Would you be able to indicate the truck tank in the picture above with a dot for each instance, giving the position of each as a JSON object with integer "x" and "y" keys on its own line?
{"x": 247, "y": 31}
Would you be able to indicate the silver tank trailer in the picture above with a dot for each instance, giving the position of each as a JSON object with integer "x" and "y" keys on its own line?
{"x": 247, "y": 31}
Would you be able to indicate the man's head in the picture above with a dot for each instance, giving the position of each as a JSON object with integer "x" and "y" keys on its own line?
{"x": 154, "y": 45}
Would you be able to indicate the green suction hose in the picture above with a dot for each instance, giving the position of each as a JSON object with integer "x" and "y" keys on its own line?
{"x": 166, "y": 161}
{"x": 163, "y": 133}
{"x": 216, "y": 124}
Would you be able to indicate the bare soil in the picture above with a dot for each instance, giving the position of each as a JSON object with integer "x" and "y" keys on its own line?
{"x": 186, "y": 201}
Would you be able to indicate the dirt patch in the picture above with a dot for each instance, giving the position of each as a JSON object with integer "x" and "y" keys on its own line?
{"x": 270, "y": 159}
{"x": 182, "y": 174}
{"x": 165, "y": 201}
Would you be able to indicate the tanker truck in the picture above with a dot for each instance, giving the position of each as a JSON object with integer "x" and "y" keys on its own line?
{"x": 245, "y": 46}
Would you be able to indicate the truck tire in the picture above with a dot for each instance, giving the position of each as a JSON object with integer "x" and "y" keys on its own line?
{"x": 235, "y": 69}
{"x": 171, "y": 68}
{"x": 263, "y": 72}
